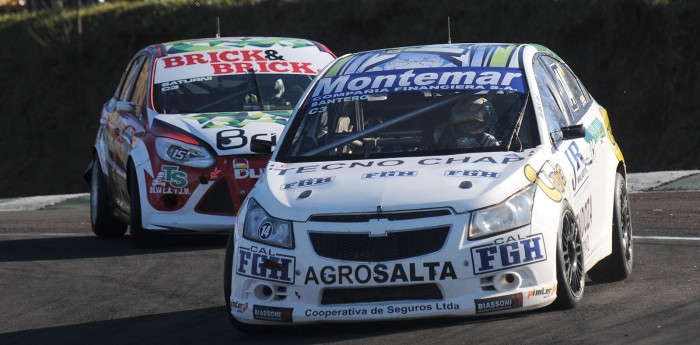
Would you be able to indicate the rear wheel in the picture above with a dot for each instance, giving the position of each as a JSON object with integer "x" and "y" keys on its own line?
{"x": 140, "y": 237}
{"x": 228, "y": 273}
{"x": 101, "y": 219}
{"x": 618, "y": 265}
{"x": 570, "y": 271}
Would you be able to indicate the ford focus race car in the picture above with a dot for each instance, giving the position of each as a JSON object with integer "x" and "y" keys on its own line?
{"x": 442, "y": 180}
{"x": 173, "y": 148}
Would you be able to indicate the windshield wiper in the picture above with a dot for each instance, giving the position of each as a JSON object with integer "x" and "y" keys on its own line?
{"x": 257, "y": 89}
{"x": 518, "y": 123}
{"x": 379, "y": 127}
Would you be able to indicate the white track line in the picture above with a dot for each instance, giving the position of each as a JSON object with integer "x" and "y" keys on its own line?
{"x": 666, "y": 238}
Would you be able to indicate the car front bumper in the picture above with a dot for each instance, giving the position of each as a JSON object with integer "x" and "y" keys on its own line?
{"x": 510, "y": 272}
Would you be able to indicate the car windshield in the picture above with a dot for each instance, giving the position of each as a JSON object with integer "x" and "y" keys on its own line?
{"x": 411, "y": 123}
{"x": 230, "y": 93}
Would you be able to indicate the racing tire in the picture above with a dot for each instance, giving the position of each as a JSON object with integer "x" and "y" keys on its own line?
{"x": 101, "y": 219}
{"x": 140, "y": 237}
{"x": 618, "y": 265}
{"x": 228, "y": 273}
{"x": 571, "y": 274}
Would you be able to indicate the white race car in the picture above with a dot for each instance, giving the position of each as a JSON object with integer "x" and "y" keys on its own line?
{"x": 442, "y": 180}
{"x": 172, "y": 152}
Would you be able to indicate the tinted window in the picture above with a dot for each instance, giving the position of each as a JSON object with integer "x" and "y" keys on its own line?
{"x": 128, "y": 85}
{"x": 138, "y": 96}
{"x": 575, "y": 98}
{"x": 551, "y": 101}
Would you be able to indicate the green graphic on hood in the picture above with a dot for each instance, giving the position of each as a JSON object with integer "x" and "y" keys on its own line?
{"x": 204, "y": 45}
{"x": 238, "y": 120}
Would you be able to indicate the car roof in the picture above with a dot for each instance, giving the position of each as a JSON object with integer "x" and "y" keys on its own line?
{"x": 508, "y": 55}
{"x": 238, "y": 43}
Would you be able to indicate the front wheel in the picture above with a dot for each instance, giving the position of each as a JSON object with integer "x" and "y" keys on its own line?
{"x": 571, "y": 275}
{"x": 140, "y": 237}
{"x": 101, "y": 219}
{"x": 618, "y": 265}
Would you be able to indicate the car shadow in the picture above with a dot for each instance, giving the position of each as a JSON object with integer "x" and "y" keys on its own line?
{"x": 90, "y": 246}
{"x": 211, "y": 326}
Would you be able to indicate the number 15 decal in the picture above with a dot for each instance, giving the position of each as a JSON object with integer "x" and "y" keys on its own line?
{"x": 236, "y": 138}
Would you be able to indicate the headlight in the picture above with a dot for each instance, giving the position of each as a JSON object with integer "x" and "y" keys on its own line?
{"x": 261, "y": 227}
{"x": 176, "y": 151}
{"x": 511, "y": 214}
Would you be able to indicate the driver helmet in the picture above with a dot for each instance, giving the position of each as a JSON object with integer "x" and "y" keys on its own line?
{"x": 470, "y": 117}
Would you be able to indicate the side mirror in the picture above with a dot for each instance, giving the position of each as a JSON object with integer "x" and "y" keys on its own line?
{"x": 573, "y": 132}
{"x": 261, "y": 146}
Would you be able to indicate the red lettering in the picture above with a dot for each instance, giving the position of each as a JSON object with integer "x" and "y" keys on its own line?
{"x": 252, "y": 55}
{"x": 302, "y": 67}
{"x": 263, "y": 67}
{"x": 243, "y": 67}
{"x": 229, "y": 56}
{"x": 274, "y": 66}
{"x": 213, "y": 58}
{"x": 193, "y": 59}
{"x": 173, "y": 61}
{"x": 222, "y": 68}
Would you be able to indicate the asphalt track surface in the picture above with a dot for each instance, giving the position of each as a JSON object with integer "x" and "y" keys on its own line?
{"x": 60, "y": 284}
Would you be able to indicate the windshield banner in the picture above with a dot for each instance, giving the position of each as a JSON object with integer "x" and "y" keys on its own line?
{"x": 213, "y": 63}
{"x": 423, "y": 79}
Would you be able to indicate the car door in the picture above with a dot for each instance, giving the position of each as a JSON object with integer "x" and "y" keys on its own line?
{"x": 572, "y": 155}
{"x": 127, "y": 125}
{"x": 581, "y": 153}
{"x": 596, "y": 215}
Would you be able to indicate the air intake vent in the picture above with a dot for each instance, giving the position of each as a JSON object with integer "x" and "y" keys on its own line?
{"x": 366, "y": 217}
{"x": 217, "y": 200}
{"x": 419, "y": 292}
{"x": 395, "y": 245}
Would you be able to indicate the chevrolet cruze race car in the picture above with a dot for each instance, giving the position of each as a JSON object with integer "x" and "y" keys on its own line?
{"x": 173, "y": 146}
{"x": 442, "y": 180}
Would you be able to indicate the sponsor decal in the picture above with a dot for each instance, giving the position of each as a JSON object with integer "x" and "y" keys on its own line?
{"x": 262, "y": 263}
{"x": 239, "y": 307}
{"x": 584, "y": 218}
{"x": 230, "y": 139}
{"x": 239, "y": 120}
{"x": 486, "y": 305}
{"x": 578, "y": 164}
{"x": 242, "y": 170}
{"x": 508, "y": 252}
{"x": 282, "y": 169}
{"x": 608, "y": 129}
{"x": 238, "y": 62}
{"x": 175, "y": 84}
{"x": 380, "y": 273}
{"x": 261, "y": 312}
{"x": 169, "y": 180}
{"x": 543, "y": 292}
{"x": 390, "y": 174}
{"x": 595, "y": 131}
{"x": 214, "y": 173}
{"x": 423, "y": 79}
{"x": 550, "y": 179}
{"x": 308, "y": 182}
{"x": 380, "y": 310}
{"x": 472, "y": 173}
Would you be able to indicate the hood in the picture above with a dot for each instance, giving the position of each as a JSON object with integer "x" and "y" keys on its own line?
{"x": 394, "y": 184}
{"x": 230, "y": 133}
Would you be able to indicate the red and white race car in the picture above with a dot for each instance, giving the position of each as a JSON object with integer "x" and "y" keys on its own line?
{"x": 173, "y": 147}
